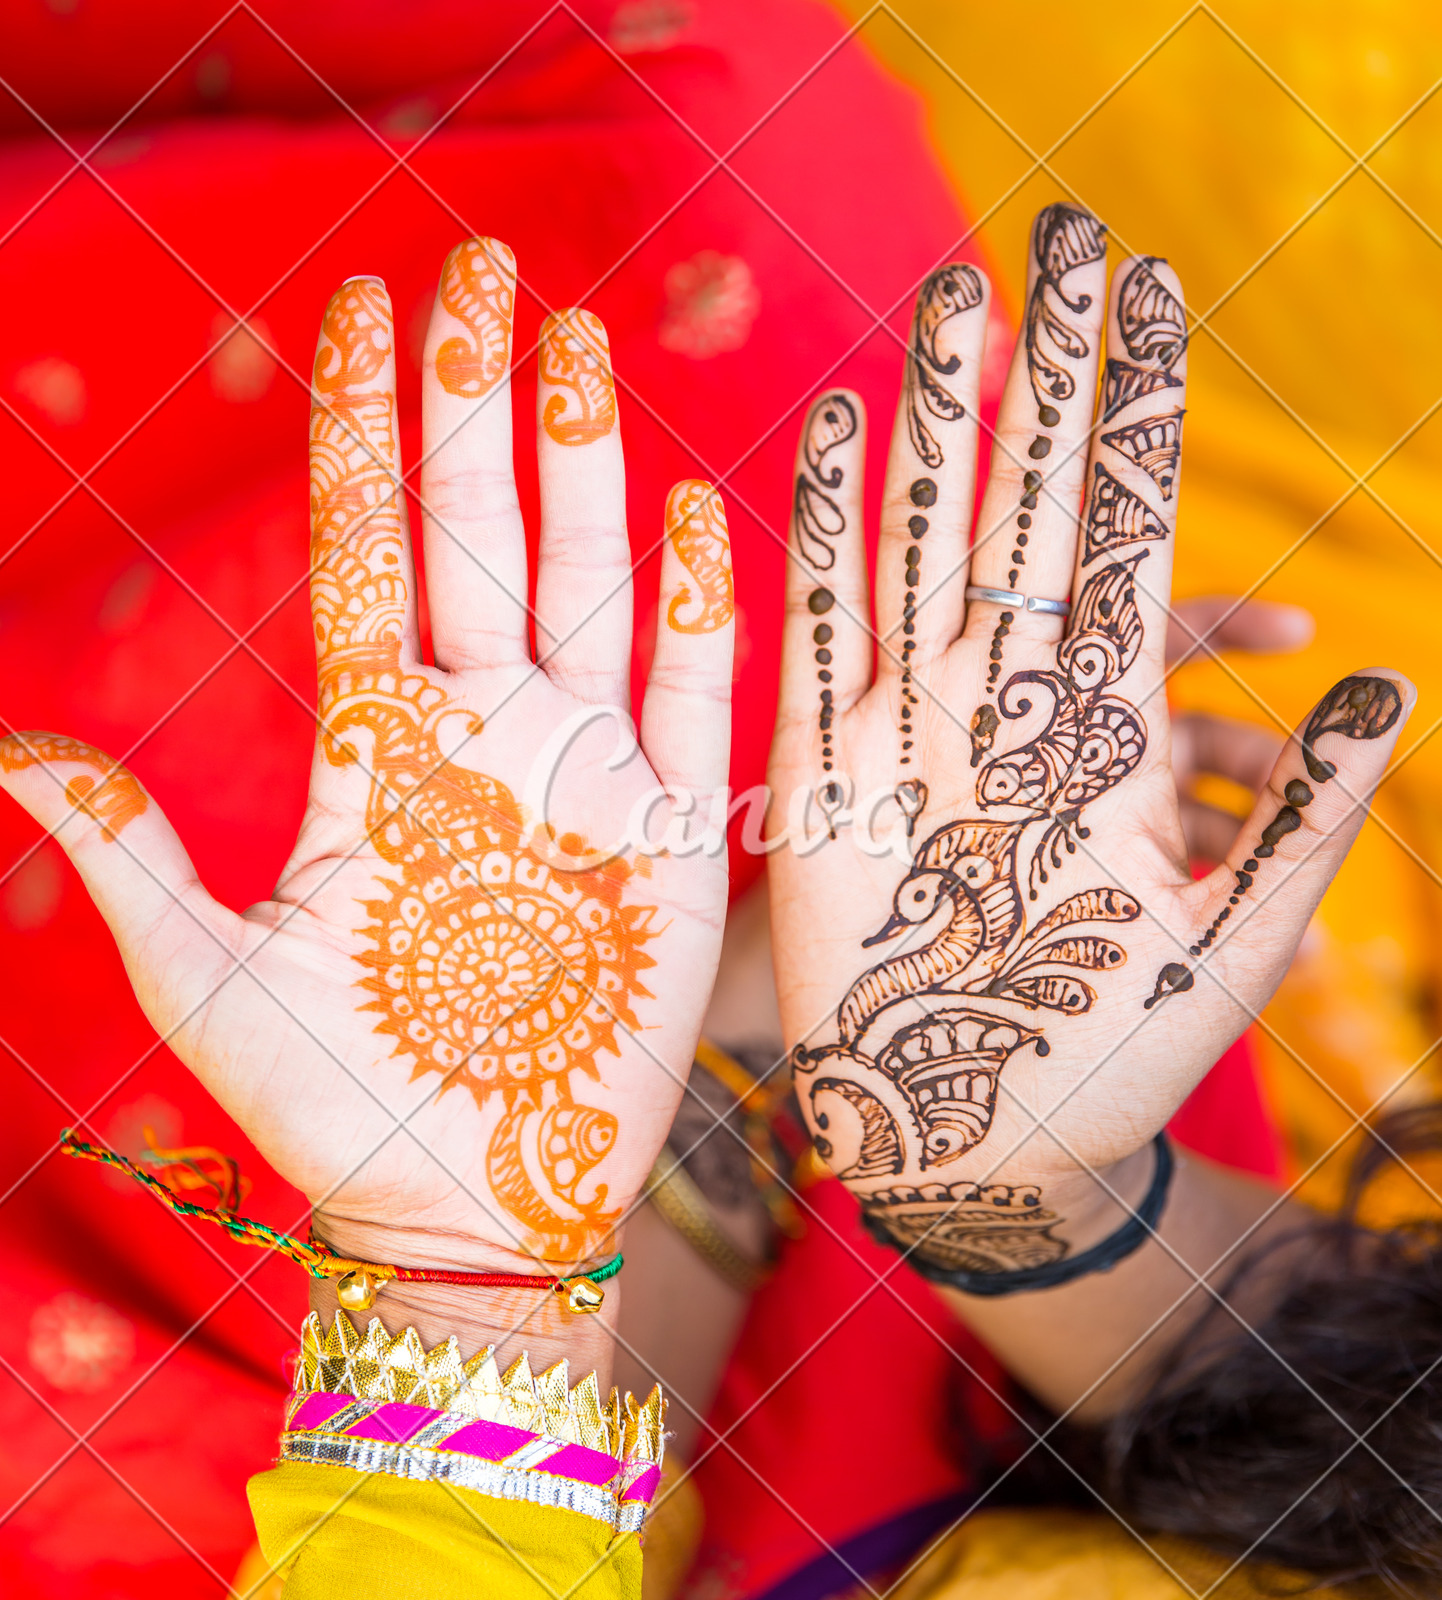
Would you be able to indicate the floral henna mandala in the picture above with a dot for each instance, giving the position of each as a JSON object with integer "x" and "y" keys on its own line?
{"x": 696, "y": 525}
{"x": 575, "y": 357}
{"x": 478, "y": 287}
{"x": 483, "y": 963}
{"x": 112, "y": 800}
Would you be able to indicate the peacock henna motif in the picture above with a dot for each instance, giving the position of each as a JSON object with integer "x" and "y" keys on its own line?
{"x": 478, "y": 287}
{"x": 911, "y": 1083}
{"x": 696, "y": 525}
{"x": 482, "y": 962}
{"x": 112, "y": 800}
{"x": 1355, "y": 708}
{"x": 576, "y": 359}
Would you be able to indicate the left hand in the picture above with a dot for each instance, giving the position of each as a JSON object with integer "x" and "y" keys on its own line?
{"x": 1038, "y": 983}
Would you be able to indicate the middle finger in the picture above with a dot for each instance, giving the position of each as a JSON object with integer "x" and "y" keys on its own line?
{"x": 1026, "y": 536}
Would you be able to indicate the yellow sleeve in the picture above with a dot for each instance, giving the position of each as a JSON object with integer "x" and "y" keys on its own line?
{"x": 406, "y": 1472}
{"x": 336, "y": 1534}
{"x": 1076, "y": 1555}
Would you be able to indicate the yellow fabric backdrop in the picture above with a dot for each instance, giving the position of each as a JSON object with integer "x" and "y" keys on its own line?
{"x": 1322, "y": 348}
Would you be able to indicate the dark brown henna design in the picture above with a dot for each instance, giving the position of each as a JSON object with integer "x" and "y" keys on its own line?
{"x": 821, "y": 636}
{"x": 911, "y": 796}
{"x": 920, "y": 1091}
{"x": 945, "y": 294}
{"x": 881, "y": 1151}
{"x": 819, "y": 520}
{"x": 1117, "y": 517}
{"x": 1152, "y": 320}
{"x": 1064, "y": 238}
{"x": 1155, "y": 445}
{"x": 984, "y": 724}
{"x": 1287, "y": 820}
{"x": 1153, "y": 329}
{"x": 1092, "y": 739}
{"x": 1174, "y": 978}
{"x": 994, "y": 1227}
{"x": 1356, "y": 708}
{"x": 936, "y": 1078}
{"x": 1124, "y": 384}
{"x": 923, "y": 493}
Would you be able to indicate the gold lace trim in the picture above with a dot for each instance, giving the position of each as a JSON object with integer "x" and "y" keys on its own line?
{"x": 377, "y": 1365}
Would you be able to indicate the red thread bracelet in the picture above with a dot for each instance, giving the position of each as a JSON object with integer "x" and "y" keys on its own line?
{"x": 356, "y": 1290}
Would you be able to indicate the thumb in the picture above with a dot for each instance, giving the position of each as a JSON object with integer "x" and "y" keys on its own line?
{"x": 1303, "y": 824}
{"x": 167, "y": 926}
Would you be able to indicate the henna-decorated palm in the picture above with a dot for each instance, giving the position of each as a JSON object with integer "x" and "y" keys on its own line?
{"x": 438, "y": 926}
{"x": 1037, "y": 952}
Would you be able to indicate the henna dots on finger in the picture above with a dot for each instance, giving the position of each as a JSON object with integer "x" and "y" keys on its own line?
{"x": 820, "y": 523}
{"x": 1355, "y": 708}
{"x": 922, "y": 494}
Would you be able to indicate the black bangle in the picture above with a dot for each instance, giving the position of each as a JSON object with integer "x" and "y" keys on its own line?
{"x": 1101, "y": 1257}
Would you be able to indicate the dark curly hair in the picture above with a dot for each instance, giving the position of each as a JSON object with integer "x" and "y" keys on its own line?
{"x": 1319, "y": 1445}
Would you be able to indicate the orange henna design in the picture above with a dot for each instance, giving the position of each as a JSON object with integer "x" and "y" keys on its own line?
{"x": 478, "y": 287}
{"x": 113, "y": 800}
{"x": 485, "y": 963}
{"x": 696, "y": 524}
{"x": 576, "y": 357}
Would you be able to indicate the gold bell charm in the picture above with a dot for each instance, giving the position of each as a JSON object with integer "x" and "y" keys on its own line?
{"x": 357, "y": 1291}
{"x": 584, "y": 1296}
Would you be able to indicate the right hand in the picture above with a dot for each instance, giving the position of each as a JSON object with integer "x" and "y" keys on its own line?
{"x": 428, "y": 933}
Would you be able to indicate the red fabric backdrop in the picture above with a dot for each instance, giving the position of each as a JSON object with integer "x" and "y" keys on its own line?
{"x": 158, "y": 607}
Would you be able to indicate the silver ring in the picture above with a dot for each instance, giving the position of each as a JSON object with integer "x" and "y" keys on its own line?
{"x": 1009, "y": 597}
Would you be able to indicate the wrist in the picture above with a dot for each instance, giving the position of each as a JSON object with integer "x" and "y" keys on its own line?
{"x": 443, "y": 1249}
{"x": 534, "y": 1321}
{"x": 1092, "y": 1203}
{"x": 530, "y": 1322}
{"x": 1008, "y": 1231}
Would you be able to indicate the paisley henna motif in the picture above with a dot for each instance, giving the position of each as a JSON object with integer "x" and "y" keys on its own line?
{"x": 478, "y": 287}
{"x": 112, "y": 800}
{"x": 696, "y": 523}
{"x": 482, "y": 962}
{"x": 576, "y": 358}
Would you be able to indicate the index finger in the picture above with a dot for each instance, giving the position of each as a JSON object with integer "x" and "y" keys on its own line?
{"x": 362, "y": 586}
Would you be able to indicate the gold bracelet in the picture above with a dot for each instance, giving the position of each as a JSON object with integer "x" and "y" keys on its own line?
{"x": 673, "y": 1193}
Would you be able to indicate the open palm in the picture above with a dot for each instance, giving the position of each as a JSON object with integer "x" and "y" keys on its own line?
{"x": 1028, "y": 980}
{"x": 460, "y": 912}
